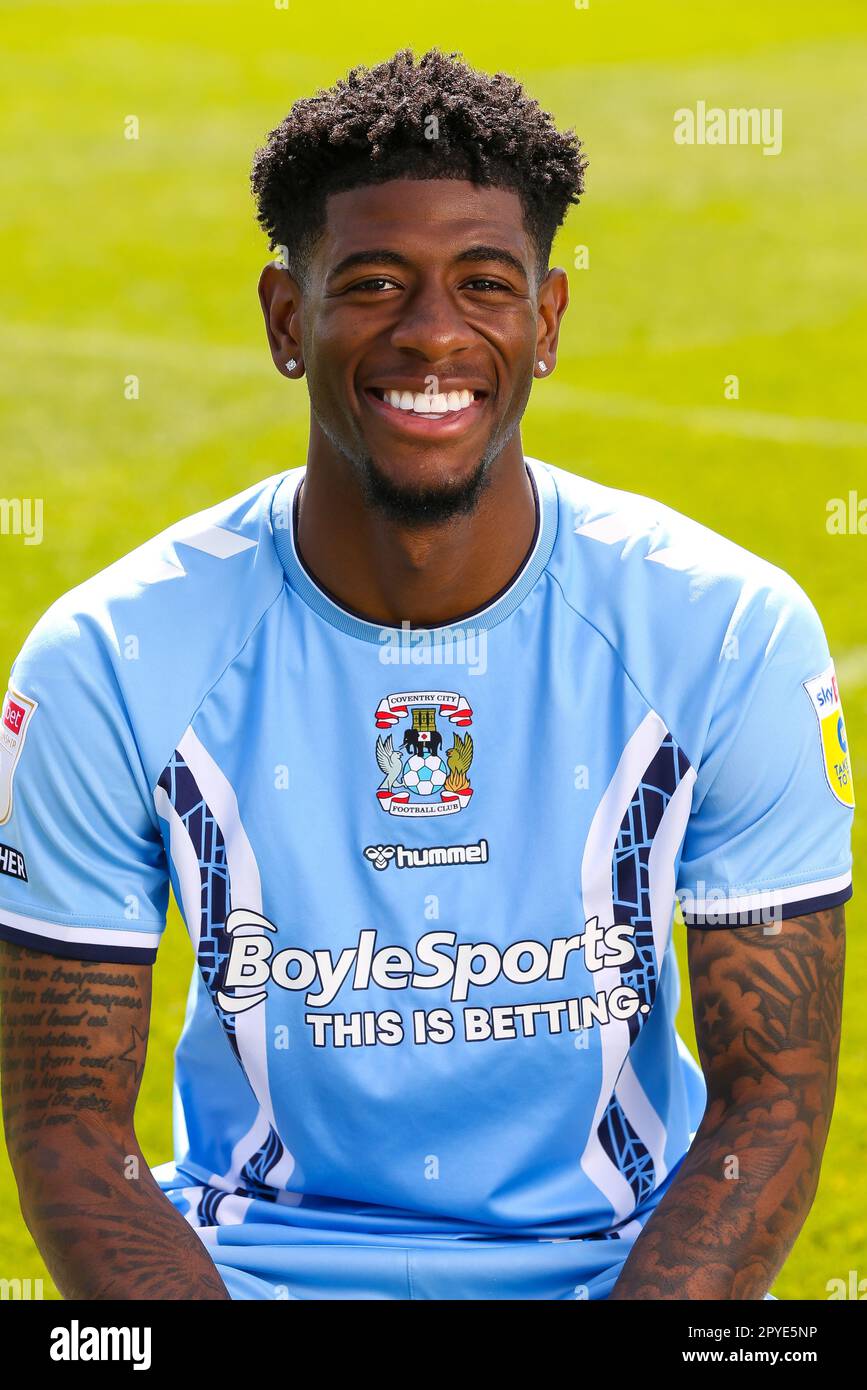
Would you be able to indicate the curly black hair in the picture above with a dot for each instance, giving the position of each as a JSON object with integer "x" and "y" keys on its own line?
{"x": 436, "y": 117}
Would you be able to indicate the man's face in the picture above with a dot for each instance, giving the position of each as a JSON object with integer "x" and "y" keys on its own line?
{"x": 419, "y": 322}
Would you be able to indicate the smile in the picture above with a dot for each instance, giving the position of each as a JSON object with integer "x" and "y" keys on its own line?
{"x": 420, "y": 410}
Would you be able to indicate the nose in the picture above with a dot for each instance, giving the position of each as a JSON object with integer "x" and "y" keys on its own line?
{"x": 432, "y": 325}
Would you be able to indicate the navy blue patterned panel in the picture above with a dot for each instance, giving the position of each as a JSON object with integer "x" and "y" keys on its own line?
{"x": 631, "y": 903}
{"x": 629, "y": 869}
{"x": 207, "y": 1212}
{"x": 179, "y": 784}
{"x": 254, "y": 1174}
{"x": 626, "y": 1150}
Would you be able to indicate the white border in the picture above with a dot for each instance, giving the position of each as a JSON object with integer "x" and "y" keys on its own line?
{"x": 771, "y": 897}
{"x": 81, "y": 936}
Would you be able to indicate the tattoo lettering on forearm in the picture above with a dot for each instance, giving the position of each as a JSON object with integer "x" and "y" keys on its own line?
{"x": 767, "y": 1008}
{"x": 73, "y": 1039}
{"x": 54, "y": 1066}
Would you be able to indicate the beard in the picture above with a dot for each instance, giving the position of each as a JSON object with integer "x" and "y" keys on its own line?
{"x": 418, "y": 507}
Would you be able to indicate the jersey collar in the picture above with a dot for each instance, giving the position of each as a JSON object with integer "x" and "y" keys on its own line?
{"x": 495, "y": 611}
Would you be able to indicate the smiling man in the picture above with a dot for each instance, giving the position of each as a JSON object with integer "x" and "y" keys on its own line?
{"x": 430, "y": 1046}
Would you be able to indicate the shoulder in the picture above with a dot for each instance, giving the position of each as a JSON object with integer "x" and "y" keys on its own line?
{"x": 684, "y": 607}
{"x": 167, "y": 617}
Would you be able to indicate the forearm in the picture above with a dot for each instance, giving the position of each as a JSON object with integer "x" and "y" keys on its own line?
{"x": 733, "y": 1212}
{"x": 767, "y": 1005}
{"x": 102, "y": 1224}
{"x": 72, "y": 1052}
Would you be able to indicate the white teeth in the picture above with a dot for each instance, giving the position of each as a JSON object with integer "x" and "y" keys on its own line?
{"x": 422, "y": 403}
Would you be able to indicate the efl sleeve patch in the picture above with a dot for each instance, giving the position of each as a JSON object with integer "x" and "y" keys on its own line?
{"x": 17, "y": 712}
{"x": 825, "y": 699}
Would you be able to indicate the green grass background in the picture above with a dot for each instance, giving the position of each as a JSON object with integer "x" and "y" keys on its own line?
{"x": 142, "y": 257}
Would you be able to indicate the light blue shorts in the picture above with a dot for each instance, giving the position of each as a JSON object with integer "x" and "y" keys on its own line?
{"x": 428, "y": 1268}
{"x": 290, "y": 1256}
{"x": 433, "y": 1268}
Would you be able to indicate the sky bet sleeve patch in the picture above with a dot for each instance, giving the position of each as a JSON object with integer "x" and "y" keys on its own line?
{"x": 825, "y": 698}
{"x": 17, "y": 711}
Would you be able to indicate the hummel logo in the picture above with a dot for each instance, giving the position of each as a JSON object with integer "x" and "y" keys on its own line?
{"x": 381, "y": 856}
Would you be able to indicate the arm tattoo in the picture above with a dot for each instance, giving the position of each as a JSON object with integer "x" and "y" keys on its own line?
{"x": 73, "y": 1038}
{"x": 56, "y": 1016}
{"x": 767, "y": 1004}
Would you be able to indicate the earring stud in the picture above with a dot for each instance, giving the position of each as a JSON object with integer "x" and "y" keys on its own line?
{"x": 541, "y": 365}
{"x": 291, "y": 364}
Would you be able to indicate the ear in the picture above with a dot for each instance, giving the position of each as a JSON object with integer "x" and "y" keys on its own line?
{"x": 553, "y": 302}
{"x": 280, "y": 298}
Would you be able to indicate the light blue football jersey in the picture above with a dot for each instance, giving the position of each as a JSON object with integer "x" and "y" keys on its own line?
{"x": 429, "y": 876}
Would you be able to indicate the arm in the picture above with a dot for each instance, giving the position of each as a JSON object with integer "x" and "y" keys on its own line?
{"x": 767, "y": 1007}
{"x": 74, "y": 1037}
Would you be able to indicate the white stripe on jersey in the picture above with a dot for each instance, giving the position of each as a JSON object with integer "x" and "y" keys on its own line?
{"x": 596, "y": 889}
{"x": 232, "y": 1210}
{"x": 661, "y": 860}
{"x": 643, "y": 1118}
{"x": 216, "y": 541}
{"x": 246, "y": 891}
{"x": 661, "y": 882}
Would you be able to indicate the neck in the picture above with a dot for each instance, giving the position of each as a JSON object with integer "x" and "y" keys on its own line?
{"x": 428, "y": 576}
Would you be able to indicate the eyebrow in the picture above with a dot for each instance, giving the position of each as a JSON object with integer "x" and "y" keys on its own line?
{"x": 494, "y": 253}
{"x": 374, "y": 257}
{"x": 382, "y": 256}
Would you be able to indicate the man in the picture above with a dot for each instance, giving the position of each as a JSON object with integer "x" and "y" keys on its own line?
{"x": 426, "y": 737}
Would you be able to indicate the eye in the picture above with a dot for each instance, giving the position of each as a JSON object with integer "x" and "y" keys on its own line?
{"x": 374, "y": 283}
{"x": 487, "y": 286}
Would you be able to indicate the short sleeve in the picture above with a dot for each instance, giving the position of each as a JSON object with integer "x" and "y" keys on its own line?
{"x": 83, "y": 871}
{"x": 769, "y": 835}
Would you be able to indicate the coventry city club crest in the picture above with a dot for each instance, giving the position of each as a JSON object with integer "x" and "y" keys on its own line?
{"x": 421, "y": 777}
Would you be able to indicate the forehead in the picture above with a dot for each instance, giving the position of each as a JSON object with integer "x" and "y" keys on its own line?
{"x": 432, "y": 218}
